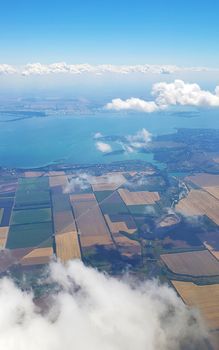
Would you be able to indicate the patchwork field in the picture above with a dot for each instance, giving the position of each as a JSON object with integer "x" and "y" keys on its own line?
{"x": 37, "y": 256}
{"x": 90, "y": 222}
{"x": 28, "y": 235}
{"x": 118, "y": 223}
{"x": 67, "y": 246}
{"x": 199, "y": 202}
{"x": 29, "y": 216}
{"x": 195, "y": 263}
{"x": 138, "y": 198}
{"x": 205, "y": 298}
{"x": 211, "y": 242}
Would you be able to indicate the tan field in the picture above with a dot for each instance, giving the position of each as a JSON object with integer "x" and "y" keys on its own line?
{"x": 60, "y": 180}
{"x": 90, "y": 222}
{"x": 214, "y": 191}
{"x": 108, "y": 182}
{"x": 199, "y": 202}
{"x": 115, "y": 227}
{"x": 196, "y": 263}
{"x": 211, "y": 242}
{"x": 64, "y": 222}
{"x": 204, "y": 180}
{"x": 33, "y": 173}
{"x": 37, "y": 256}
{"x": 3, "y": 236}
{"x": 205, "y": 298}
{"x": 138, "y": 198}
{"x": 126, "y": 246}
{"x": 75, "y": 197}
{"x": 67, "y": 246}
{"x": 168, "y": 221}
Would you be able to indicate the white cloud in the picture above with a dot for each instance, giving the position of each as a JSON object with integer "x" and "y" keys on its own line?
{"x": 182, "y": 93}
{"x": 98, "y": 135}
{"x": 7, "y": 69}
{"x": 38, "y": 68}
{"x": 141, "y": 138}
{"x": 103, "y": 147}
{"x": 96, "y": 312}
{"x": 78, "y": 182}
{"x": 169, "y": 94}
{"x": 133, "y": 104}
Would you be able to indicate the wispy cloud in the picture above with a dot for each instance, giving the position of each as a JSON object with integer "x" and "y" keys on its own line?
{"x": 103, "y": 147}
{"x": 169, "y": 94}
{"x": 92, "y": 310}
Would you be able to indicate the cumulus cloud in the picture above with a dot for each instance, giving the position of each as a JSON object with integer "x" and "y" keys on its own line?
{"x": 92, "y": 310}
{"x": 7, "y": 69}
{"x": 103, "y": 147}
{"x": 140, "y": 139}
{"x": 182, "y": 93}
{"x": 133, "y": 104}
{"x": 168, "y": 94}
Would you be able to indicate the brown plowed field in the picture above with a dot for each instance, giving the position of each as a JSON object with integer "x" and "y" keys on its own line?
{"x": 90, "y": 222}
{"x": 38, "y": 256}
{"x": 196, "y": 263}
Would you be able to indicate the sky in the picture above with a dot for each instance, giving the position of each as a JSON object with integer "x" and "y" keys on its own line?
{"x": 117, "y": 32}
{"x": 175, "y": 38}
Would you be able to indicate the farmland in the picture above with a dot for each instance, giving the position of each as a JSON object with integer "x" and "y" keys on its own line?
{"x": 28, "y": 216}
{"x": 67, "y": 246}
{"x": 197, "y": 263}
{"x": 28, "y": 235}
{"x": 211, "y": 242}
{"x": 206, "y": 298}
{"x": 140, "y": 221}
{"x": 199, "y": 202}
{"x": 38, "y": 256}
{"x": 138, "y": 198}
{"x": 91, "y": 225}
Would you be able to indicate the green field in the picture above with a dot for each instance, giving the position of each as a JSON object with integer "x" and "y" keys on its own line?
{"x": 33, "y": 192}
{"x": 29, "y": 216}
{"x": 61, "y": 202}
{"x": 30, "y": 235}
{"x": 101, "y": 195}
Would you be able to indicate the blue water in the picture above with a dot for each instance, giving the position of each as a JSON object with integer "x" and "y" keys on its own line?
{"x": 39, "y": 141}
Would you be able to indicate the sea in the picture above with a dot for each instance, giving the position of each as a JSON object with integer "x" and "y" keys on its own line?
{"x": 39, "y": 141}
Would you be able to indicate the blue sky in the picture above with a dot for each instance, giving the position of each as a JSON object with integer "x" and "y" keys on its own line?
{"x": 117, "y": 32}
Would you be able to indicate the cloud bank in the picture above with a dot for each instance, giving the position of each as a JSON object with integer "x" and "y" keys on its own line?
{"x": 96, "y": 312}
{"x": 168, "y": 94}
{"x": 83, "y": 68}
